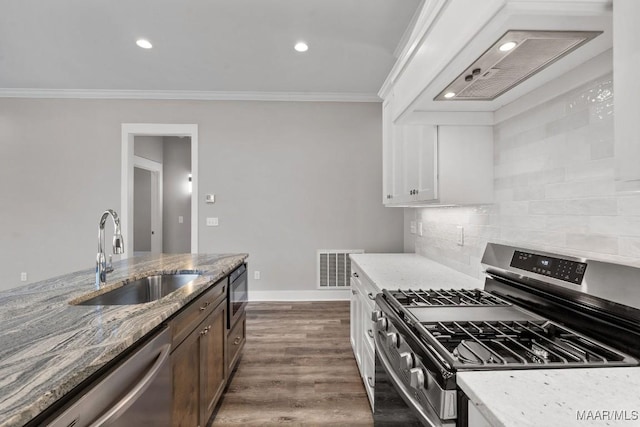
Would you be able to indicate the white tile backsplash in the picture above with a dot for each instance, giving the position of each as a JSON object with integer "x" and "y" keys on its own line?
{"x": 554, "y": 190}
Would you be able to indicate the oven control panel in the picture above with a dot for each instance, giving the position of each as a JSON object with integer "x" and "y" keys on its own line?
{"x": 557, "y": 268}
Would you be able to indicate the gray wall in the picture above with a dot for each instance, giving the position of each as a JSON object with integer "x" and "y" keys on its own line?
{"x": 141, "y": 210}
{"x": 149, "y": 147}
{"x": 289, "y": 178}
{"x": 176, "y": 199}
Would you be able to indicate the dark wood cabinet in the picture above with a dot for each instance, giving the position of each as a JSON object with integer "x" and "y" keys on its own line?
{"x": 186, "y": 361}
{"x": 212, "y": 356}
{"x": 198, "y": 357}
{"x": 235, "y": 341}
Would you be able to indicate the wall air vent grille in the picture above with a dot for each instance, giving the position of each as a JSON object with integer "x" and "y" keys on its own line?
{"x": 497, "y": 71}
{"x": 334, "y": 268}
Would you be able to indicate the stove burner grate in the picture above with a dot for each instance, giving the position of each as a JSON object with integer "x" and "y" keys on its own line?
{"x": 516, "y": 343}
{"x": 446, "y": 297}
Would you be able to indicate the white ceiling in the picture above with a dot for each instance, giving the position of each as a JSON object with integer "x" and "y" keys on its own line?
{"x": 201, "y": 45}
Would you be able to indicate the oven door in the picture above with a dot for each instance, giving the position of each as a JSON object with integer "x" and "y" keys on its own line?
{"x": 397, "y": 393}
{"x": 238, "y": 295}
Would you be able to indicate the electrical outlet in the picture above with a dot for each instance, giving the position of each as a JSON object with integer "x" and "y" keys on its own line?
{"x": 23, "y": 277}
{"x": 180, "y": 219}
{"x": 210, "y": 198}
{"x": 420, "y": 231}
{"x": 212, "y": 222}
{"x": 256, "y": 275}
{"x": 412, "y": 227}
{"x": 460, "y": 235}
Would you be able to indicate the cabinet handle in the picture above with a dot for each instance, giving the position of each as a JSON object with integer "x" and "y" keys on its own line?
{"x": 205, "y": 331}
{"x": 237, "y": 341}
{"x": 370, "y": 333}
{"x": 371, "y": 296}
{"x": 354, "y": 292}
{"x": 205, "y": 305}
{"x": 369, "y": 382}
{"x": 355, "y": 274}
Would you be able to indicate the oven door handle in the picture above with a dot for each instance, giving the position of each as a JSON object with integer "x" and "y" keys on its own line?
{"x": 426, "y": 415}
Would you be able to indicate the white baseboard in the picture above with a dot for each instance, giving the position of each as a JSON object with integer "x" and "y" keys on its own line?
{"x": 307, "y": 295}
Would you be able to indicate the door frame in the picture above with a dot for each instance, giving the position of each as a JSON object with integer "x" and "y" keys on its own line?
{"x": 129, "y": 132}
{"x": 155, "y": 169}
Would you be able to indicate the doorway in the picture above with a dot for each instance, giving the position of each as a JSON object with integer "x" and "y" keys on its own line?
{"x": 133, "y": 165}
{"x": 147, "y": 206}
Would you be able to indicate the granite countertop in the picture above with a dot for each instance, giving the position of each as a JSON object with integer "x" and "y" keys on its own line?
{"x": 404, "y": 271}
{"x": 556, "y": 397}
{"x": 48, "y": 346}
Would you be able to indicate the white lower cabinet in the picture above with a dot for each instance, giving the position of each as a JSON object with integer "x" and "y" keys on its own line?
{"x": 363, "y": 294}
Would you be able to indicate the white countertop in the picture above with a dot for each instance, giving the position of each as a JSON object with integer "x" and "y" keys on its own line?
{"x": 404, "y": 271}
{"x": 556, "y": 397}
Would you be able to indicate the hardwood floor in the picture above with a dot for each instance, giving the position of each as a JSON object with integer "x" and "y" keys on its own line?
{"x": 297, "y": 368}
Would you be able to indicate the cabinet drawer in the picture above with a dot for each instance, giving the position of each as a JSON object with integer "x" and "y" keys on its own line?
{"x": 235, "y": 341}
{"x": 196, "y": 311}
{"x": 369, "y": 374}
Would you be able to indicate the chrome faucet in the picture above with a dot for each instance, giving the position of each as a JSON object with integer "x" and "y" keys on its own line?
{"x": 102, "y": 268}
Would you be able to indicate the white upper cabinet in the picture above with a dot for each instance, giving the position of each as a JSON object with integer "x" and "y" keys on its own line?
{"x": 441, "y": 165}
{"x": 455, "y": 79}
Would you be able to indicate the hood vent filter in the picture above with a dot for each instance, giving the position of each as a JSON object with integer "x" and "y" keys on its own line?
{"x": 515, "y": 57}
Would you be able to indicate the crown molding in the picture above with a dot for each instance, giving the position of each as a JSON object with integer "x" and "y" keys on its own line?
{"x": 188, "y": 95}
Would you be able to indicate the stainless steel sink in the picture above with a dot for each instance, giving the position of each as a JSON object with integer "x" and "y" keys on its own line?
{"x": 143, "y": 290}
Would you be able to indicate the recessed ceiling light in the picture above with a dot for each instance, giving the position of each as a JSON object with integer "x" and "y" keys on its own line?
{"x": 145, "y": 44}
{"x": 301, "y": 47}
{"x": 505, "y": 47}
{"x": 449, "y": 95}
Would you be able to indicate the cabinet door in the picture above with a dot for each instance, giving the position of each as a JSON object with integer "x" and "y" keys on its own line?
{"x": 212, "y": 353}
{"x": 419, "y": 163}
{"x": 398, "y": 184}
{"x": 387, "y": 152}
{"x": 427, "y": 185}
{"x": 356, "y": 323}
{"x": 185, "y": 364}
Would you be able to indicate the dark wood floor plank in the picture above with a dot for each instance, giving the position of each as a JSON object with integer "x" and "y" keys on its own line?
{"x": 297, "y": 368}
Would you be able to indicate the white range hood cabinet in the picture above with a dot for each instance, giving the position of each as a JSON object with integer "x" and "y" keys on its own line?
{"x": 450, "y": 35}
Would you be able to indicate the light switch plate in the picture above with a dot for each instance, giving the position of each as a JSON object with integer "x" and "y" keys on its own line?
{"x": 420, "y": 231}
{"x": 212, "y": 222}
{"x": 180, "y": 219}
{"x": 256, "y": 275}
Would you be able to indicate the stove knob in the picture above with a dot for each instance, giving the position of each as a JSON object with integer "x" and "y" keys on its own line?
{"x": 417, "y": 378}
{"x": 406, "y": 360}
{"x": 392, "y": 339}
{"x": 382, "y": 324}
{"x": 375, "y": 315}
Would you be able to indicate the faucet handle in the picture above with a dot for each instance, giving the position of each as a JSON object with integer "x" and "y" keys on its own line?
{"x": 109, "y": 266}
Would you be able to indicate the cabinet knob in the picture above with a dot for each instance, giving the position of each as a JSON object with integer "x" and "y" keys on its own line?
{"x": 355, "y": 274}
{"x": 237, "y": 341}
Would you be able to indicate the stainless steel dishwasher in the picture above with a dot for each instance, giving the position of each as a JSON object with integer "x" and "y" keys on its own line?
{"x": 137, "y": 392}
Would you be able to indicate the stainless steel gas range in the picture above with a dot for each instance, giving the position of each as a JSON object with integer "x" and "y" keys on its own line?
{"x": 537, "y": 311}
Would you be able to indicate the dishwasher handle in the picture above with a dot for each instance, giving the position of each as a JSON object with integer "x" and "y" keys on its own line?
{"x": 136, "y": 391}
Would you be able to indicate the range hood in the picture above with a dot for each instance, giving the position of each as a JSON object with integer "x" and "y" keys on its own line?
{"x": 511, "y": 60}
{"x": 558, "y": 46}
